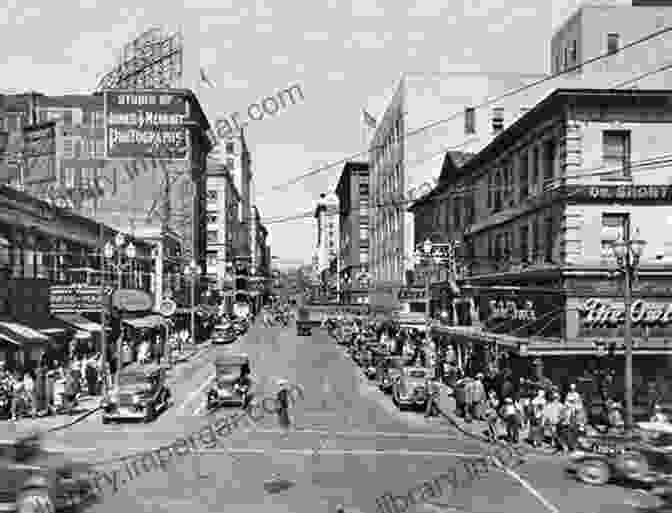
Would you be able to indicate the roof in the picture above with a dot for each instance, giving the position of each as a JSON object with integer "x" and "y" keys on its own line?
{"x": 231, "y": 359}
{"x": 553, "y": 103}
{"x": 452, "y": 162}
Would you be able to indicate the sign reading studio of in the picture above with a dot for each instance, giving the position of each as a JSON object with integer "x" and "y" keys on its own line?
{"x": 145, "y": 124}
{"x": 605, "y": 317}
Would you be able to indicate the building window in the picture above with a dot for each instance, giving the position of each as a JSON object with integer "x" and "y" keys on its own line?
{"x": 211, "y": 218}
{"x": 212, "y": 195}
{"x": 212, "y": 236}
{"x": 612, "y": 43}
{"x": 230, "y": 149}
{"x": 549, "y": 162}
{"x": 573, "y": 52}
{"x": 363, "y": 257}
{"x": 616, "y": 153}
{"x": 469, "y": 120}
{"x": 363, "y": 233}
{"x": 212, "y": 258}
{"x": 67, "y": 117}
{"x": 535, "y": 169}
{"x": 524, "y": 233}
{"x": 536, "y": 239}
{"x": 498, "y": 192}
{"x": 523, "y": 177}
{"x": 68, "y": 151}
{"x": 613, "y": 228}
{"x": 230, "y": 163}
{"x": 566, "y": 58}
{"x": 497, "y": 119}
{"x": 550, "y": 239}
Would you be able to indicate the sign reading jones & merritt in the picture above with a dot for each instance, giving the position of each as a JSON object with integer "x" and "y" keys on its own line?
{"x": 145, "y": 124}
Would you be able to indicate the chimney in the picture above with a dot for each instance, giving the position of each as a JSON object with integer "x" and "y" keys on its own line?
{"x": 497, "y": 120}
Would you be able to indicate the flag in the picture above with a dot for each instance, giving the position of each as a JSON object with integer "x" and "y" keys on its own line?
{"x": 369, "y": 120}
{"x": 205, "y": 80}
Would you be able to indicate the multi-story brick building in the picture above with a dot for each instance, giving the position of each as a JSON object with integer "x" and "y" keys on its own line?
{"x": 537, "y": 212}
{"x": 353, "y": 200}
{"x": 326, "y": 247}
{"x": 130, "y": 195}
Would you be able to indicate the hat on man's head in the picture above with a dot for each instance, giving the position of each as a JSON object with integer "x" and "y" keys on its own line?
{"x": 508, "y": 400}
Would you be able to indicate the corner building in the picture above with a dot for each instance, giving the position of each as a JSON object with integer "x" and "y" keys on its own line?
{"x": 540, "y": 207}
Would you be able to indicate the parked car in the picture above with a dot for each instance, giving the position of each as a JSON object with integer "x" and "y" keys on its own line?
{"x": 228, "y": 388}
{"x": 645, "y": 457}
{"x": 410, "y": 389}
{"x": 224, "y": 334}
{"x": 34, "y": 480}
{"x": 141, "y": 393}
{"x": 392, "y": 370}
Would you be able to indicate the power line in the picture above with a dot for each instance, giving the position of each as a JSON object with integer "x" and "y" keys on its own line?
{"x": 486, "y": 103}
{"x": 656, "y": 162}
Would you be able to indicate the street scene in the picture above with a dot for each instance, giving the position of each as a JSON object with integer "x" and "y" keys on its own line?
{"x": 342, "y": 257}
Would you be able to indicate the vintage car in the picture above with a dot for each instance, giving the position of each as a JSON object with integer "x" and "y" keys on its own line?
{"x": 33, "y": 479}
{"x": 410, "y": 389}
{"x": 141, "y": 393}
{"x": 644, "y": 457}
{"x": 391, "y": 370}
{"x": 240, "y": 326}
{"x": 226, "y": 389}
{"x": 378, "y": 354}
{"x": 224, "y": 334}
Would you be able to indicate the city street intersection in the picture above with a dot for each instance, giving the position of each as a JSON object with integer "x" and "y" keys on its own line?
{"x": 350, "y": 446}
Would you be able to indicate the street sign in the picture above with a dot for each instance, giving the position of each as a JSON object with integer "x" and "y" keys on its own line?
{"x": 168, "y": 307}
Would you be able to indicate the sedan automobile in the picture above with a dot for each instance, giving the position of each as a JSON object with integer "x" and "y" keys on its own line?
{"x": 392, "y": 370}
{"x": 224, "y": 334}
{"x": 411, "y": 388}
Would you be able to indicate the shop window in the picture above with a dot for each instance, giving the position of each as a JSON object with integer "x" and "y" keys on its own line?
{"x": 469, "y": 121}
{"x": 613, "y": 43}
{"x": 524, "y": 233}
{"x": 212, "y": 236}
{"x": 212, "y": 195}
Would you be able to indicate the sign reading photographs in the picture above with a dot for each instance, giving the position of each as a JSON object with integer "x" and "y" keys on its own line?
{"x": 39, "y": 151}
{"x": 145, "y": 124}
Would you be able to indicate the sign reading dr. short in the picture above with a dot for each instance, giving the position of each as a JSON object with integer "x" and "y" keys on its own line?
{"x": 606, "y": 317}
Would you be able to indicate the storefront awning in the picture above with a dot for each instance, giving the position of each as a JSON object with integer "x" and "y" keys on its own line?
{"x": 19, "y": 334}
{"x": 147, "y": 322}
{"x": 46, "y": 324}
{"x": 80, "y": 322}
{"x": 478, "y": 335}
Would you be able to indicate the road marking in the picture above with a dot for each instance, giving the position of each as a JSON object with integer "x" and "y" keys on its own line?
{"x": 195, "y": 394}
{"x": 340, "y": 452}
{"x": 533, "y": 491}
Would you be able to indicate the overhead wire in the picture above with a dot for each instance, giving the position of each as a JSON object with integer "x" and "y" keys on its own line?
{"x": 483, "y": 104}
{"x": 657, "y": 162}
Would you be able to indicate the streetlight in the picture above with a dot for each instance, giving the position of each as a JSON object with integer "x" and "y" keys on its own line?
{"x": 436, "y": 253}
{"x": 109, "y": 250}
{"x": 628, "y": 251}
{"x": 192, "y": 272}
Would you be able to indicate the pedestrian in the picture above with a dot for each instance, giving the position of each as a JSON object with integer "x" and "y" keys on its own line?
{"x": 30, "y": 393}
{"x": 616, "y": 422}
{"x": 91, "y": 377}
{"x": 536, "y": 419}
{"x": 563, "y": 428}
{"x": 510, "y": 416}
{"x": 282, "y": 399}
{"x": 478, "y": 397}
{"x": 492, "y": 415}
{"x": 17, "y": 391}
{"x": 658, "y": 415}
{"x": 432, "y": 401}
{"x": 551, "y": 417}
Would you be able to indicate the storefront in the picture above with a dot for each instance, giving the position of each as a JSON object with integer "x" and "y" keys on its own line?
{"x": 139, "y": 322}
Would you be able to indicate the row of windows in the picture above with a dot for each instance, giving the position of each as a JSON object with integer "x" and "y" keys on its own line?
{"x": 384, "y": 149}
{"x": 568, "y": 57}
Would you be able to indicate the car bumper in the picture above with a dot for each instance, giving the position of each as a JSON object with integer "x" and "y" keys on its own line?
{"x": 213, "y": 402}
{"x": 124, "y": 412}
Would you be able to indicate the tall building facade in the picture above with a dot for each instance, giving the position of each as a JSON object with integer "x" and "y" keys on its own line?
{"x": 70, "y": 170}
{"x": 326, "y": 247}
{"x": 401, "y": 166}
{"x": 223, "y": 225}
{"x": 352, "y": 192}
{"x": 602, "y": 27}
{"x": 577, "y": 173}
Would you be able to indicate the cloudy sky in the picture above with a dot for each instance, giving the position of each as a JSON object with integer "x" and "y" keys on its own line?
{"x": 345, "y": 55}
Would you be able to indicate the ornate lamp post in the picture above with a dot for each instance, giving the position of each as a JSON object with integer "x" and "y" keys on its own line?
{"x": 193, "y": 272}
{"x": 628, "y": 251}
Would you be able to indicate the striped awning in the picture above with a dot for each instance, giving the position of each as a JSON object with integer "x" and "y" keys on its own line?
{"x": 80, "y": 322}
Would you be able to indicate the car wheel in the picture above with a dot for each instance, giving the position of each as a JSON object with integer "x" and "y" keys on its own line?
{"x": 35, "y": 501}
{"x": 594, "y": 472}
{"x": 632, "y": 465}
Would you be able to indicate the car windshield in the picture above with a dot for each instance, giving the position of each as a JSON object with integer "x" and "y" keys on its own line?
{"x": 416, "y": 373}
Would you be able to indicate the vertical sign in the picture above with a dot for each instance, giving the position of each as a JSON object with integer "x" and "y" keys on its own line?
{"x": 145, "y": 124}
{"x": 39, "y": 151}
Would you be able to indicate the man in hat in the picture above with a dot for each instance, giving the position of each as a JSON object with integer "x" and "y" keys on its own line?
{"x": 512, "y": 420}
{"x": 615, "y": 416}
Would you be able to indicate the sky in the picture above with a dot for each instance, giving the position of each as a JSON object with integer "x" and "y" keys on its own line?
{"x": 345, "y": 55}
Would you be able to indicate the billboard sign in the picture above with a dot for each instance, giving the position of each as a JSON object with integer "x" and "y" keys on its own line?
{"x": 74, "y": 299}
{"x": 145, "y": 124}
{"x": 39, "y": 151}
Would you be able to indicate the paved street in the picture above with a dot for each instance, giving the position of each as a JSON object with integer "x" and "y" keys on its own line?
{"x": 368, "y": 448}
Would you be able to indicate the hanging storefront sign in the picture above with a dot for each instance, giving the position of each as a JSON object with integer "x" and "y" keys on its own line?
{"x": 412, "y": 294}
{"x": 642, "y": 193}
{"x": 39, "y": 152}
{"x": 145, "y": 124}
{"x": 601, "y": 317}
{"x": 74, "y": 299}
{"x": 132, "y": 300}
{"x": 522, "y": 315}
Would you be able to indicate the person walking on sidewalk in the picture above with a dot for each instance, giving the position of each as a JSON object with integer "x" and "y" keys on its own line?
{"x": 492, "y": 415}
{"x": 551, "y": 417}
{"x": 511, "y": 419}
{"x": 433, "y": 400}
{"x": 537, "y": 418}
